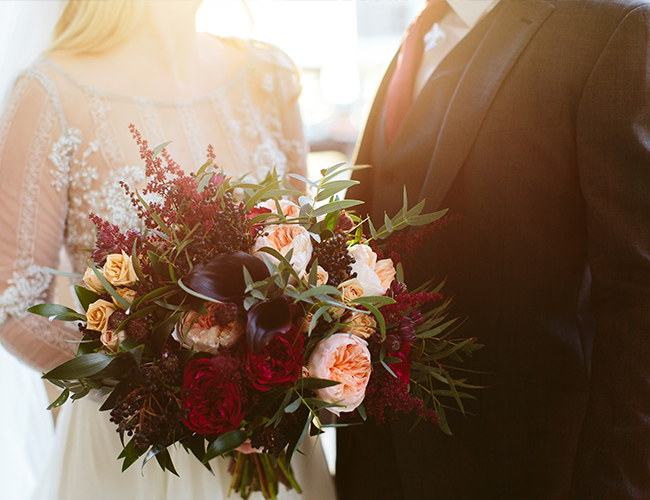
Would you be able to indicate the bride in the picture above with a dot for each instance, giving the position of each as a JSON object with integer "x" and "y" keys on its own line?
{"x": 65, "y": 146}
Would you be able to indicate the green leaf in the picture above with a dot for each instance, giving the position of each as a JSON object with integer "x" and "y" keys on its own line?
{"x": 85, "y": 296}
{"x": 293, "y": 406}
{"x": 81, "y": 367}
{"x": 63, "y": 273}
{"x": 318, "y": 290}
{"x": 162, "y": 331}
{"x": 156, "y": 151}
{"x": 51, "y": 310}
{"x": 224, "y": 444}
{"x": 69, "y": 316}
{"x": 63, "y": 397}
{"x": 314, "y": 383}
{"x": 332, "y": 188}
{"x": 164, "y": 459}
{"x": 380, "y": 300}
{"x": 130, "y": 454}
{"x": 373, "y": 231}
{"x": 303, "y": 179}
{"x": 335, "y": 206}
{"x": 387, "y": 223}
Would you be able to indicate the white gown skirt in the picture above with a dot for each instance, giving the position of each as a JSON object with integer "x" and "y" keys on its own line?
{"x": 84, "y": 465}
{"x": 26, "y": 428}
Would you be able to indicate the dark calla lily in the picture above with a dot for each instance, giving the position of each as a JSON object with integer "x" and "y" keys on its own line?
{"x": 265, "y": 319}
{"x": 222, "y": 277}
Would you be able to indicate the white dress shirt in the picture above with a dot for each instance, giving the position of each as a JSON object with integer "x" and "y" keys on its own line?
{"x": 445, "y": 35}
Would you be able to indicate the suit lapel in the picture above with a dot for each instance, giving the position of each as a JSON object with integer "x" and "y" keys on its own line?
{"x": 514, "y": 25}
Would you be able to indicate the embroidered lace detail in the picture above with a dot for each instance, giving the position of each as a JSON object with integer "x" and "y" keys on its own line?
{"x": 193, "y": 133}
{"x": 34, "y": 167}
{"x": 296, "y": 152}
{"x": 110, "y": 145}
{"x": 62, "y": 152}
{"x": 268, "y": 156}
{"x": 151, "y": 122}
{"x": 25, "y": 288}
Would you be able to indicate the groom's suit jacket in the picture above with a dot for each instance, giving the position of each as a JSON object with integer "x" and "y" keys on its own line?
{"x": 536, "y": 130}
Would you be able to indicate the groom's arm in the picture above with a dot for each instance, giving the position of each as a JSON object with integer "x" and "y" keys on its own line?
{"x": 613, "y": 138}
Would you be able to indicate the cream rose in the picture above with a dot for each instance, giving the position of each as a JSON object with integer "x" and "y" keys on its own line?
{"x": 322, "y": 276}
{"x": 344, "y": 359}
{"x": 205, "y": 335}
{"x": 285, "y": 237}
{"x": 91, "y": 279}
{"x": 127, "y": 294}
{"x": 351, "y": 289}
{"x": 111, "y": 339}
{"x": 289, "y": 208}
{"x": 375, "y": 276}
{"x": 118, "y": 270}
{"x": 97, "y": 315}
{"x": 360, "y": 323}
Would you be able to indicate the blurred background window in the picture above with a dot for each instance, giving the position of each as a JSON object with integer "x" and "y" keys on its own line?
{"x": 342, "y": 48}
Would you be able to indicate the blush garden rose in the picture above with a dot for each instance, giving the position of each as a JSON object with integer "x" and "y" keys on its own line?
{"x": 345, "y": 359}
{"x": 285, "y": 237}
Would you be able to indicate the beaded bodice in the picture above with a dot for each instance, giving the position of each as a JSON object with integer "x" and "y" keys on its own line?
{"x": 65, "y": 146}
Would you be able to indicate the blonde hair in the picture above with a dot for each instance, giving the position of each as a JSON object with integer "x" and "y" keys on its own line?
{"x": 95, "y": 25}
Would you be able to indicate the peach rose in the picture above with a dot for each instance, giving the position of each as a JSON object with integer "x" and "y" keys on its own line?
{"x": 112, "y": 340}
{"x": 118, "y": 270}
{"x": 344, "y": 359}
{"x": 127, "y": 294}
{"x": 385, "y": 270}
{"x": 284, "y": 237}
{"x": 360, "y": 323}
{"x": 98, "y": 314}
{"x": 205, "y": 334}
{"x": 92, "y": 281}
{"x": 289, "y": 208}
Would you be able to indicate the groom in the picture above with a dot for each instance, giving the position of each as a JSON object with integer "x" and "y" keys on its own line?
{"x": 531, "y": 120}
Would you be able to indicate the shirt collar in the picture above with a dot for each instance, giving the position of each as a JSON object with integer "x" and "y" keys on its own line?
{"x": 471, "y": 11}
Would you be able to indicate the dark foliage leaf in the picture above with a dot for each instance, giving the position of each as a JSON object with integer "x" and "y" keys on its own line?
{"x": 81, "y": 367}
{"x": 225, "y": 443}
{"x": 222, "y": 277}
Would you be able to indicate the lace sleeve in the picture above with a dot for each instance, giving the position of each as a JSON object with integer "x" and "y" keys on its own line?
{"x": 32, "y": 215}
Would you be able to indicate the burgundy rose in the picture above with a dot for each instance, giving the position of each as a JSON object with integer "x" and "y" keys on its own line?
{"x": 213, "y": 395}
{"x": 280, "y": 362}
{"x": 403, "y": 369}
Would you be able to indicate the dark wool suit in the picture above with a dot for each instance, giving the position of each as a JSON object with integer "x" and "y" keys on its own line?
{"x": 536, "y": 129}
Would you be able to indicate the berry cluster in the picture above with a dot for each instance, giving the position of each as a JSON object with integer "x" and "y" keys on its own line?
{"x": 151, "y": 410}
{"x": 333, "y": 256}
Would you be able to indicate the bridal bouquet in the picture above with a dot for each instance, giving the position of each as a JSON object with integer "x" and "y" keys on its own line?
{"x": 233, "y": 317}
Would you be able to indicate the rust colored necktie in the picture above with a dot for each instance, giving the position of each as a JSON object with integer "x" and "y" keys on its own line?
{"x": 399, "y": 94}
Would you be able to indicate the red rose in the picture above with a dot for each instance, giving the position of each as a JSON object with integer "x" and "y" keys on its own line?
{"x": 403, "y": 369}
{"x": 280, "y": 362}
{"x": 213, "y": 395}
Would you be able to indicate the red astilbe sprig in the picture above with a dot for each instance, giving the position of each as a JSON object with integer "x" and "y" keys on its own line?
{"x": 110, "y": 239}
{"x": 405, "y": 304}
{"x": 388, "y": 396}
{"x": 401, "y": 247}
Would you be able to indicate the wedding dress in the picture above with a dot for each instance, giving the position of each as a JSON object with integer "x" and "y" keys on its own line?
{"x": 64, "y": 148}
